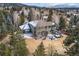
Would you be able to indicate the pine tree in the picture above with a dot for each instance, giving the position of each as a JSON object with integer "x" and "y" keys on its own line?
{"x": 74, "y": 50}
{"x": 50, "y": 15}
{"x": 30, "y": 15}
{"x": 73, "y": 20}
{"x": 2, "y": 49}
{"x": 18, "y": 46}
{"x": 3, "y": 27}
{"x": 22, "y": 18}
{"x": 5, "y": 50}
{"x": 62, "y": 24}
{"x": 73, "y": 38}
{"x": 40, "y": 51}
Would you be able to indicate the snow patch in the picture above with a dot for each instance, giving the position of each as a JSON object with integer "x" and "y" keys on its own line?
{"x": 28, "y": 35}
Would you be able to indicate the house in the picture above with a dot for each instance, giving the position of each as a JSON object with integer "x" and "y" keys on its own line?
{"x": 38, "y": 28}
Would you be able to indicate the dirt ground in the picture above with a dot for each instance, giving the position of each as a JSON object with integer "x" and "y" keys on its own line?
{"x": 56, "y": 44}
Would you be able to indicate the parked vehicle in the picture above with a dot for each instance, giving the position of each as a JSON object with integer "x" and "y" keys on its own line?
{"x": 51, "y": 36}
{"x": 57, "y": 35}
